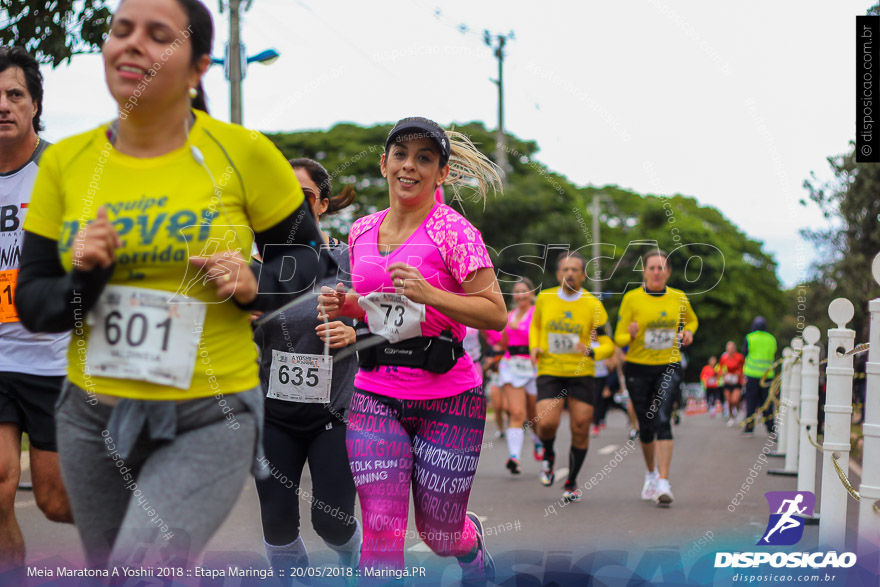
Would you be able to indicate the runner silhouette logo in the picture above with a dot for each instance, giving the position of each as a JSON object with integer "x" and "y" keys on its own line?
{"x": 786, "y": 526}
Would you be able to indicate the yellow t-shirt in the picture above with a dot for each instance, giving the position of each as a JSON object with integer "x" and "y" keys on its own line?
{"x": 557, "y": 325}
{"x": 659, "y": 317}
{"x": 166, "y": 209}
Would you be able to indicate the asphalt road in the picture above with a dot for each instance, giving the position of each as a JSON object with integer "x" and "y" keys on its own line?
{"x": 533, "y": 536}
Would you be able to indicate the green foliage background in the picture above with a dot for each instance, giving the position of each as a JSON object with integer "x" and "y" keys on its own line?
{"x": 728, "y": 277}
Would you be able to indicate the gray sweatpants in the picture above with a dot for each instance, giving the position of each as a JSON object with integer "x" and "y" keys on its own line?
{"x": 167, "y": 498}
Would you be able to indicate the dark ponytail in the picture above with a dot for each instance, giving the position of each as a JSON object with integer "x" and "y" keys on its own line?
{"x": 200, "y": 102}
{"x": 201, "y": 38}
{"x": 321, "y": 178}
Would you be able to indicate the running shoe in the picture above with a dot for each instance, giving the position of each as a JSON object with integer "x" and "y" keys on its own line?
{"x": 730, "y": 422}
{"x": 726, "y": 411}
{"x": 499, "y": 434}
{"x": 663, "y": 495}
{"x": 570, "y": 494}
{"x": 481, "y": 570}
{"x": 748, "y": 434}
{"x": 676, "y": 418}
{"x": 594, "y": 431}
{"x": 649, "y": 489}
{"x": 712, "y": 412}
{"x": 513, "y": 466}
{"x": 633, "y": 433}
{"x": 546, "y": 475}
{"x": 539, "y": 452}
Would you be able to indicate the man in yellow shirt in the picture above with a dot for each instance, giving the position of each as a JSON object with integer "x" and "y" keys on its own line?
{"x": 564, "y": 321}
{"x": 655, "y": 321}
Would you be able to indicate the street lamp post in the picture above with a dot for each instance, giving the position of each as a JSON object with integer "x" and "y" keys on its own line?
{"x": 235, "y": 60}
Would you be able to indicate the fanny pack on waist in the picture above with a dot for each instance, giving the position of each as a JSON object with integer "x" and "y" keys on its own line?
{"x": 518, "y": 350}
{"x": 437, "y": 354}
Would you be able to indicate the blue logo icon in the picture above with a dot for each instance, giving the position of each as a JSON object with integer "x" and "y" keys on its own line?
{"x": 786, "y": 526}
{"x": 567, "y": 316}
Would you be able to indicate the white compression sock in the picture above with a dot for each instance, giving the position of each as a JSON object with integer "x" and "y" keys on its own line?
{"x": 288, "y": 555}
{"x": 515, "y": 442}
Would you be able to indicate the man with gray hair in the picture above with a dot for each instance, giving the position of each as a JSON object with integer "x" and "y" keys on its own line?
{"x": 32, "y": 365}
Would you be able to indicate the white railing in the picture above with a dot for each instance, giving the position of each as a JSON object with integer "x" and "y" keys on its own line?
{"x": 868, "y": 547}
{"x": 800, "y": 397}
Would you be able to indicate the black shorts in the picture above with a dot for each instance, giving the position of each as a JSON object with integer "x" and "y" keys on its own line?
{"x": 29, "y": 402}
{"x": 580, "y": 388}
{"x": 731, "y": 386}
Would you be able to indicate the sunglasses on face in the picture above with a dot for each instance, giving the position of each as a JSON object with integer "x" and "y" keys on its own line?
{"x": 310, "y": 193}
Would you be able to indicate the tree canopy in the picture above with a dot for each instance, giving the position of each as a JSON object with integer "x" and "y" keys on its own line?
{"x": 728, "y": 277}
{"x": 54, "y": 30}
{"x": 847, "y": 245}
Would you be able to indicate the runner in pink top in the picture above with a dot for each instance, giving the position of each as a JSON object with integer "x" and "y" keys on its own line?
{"x": 493, "y": 337}
{"x": 446, "y": 248}
{"x": 517, "y": 373}
{"x": 420, "y": 274}
{"x": 490, "y": 379}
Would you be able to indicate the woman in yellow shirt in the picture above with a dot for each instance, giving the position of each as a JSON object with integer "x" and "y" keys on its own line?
{"x": 655, "y": 321}
{"x": 138, "y": 240}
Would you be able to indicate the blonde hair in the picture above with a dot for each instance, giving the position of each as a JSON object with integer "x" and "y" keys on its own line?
{"x": 469, "y": 167}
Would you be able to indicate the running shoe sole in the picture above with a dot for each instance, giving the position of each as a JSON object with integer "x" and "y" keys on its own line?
{"x": 571, "y": 495}
{"x": 663, "y": 500}
{"x": 545, "y": 479}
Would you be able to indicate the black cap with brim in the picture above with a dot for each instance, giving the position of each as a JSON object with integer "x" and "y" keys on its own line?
{"x": 414, "y": 128}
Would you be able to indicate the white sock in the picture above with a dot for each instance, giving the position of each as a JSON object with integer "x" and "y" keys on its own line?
{"x": 653, "y": 474}
{"x": 287, "y": 555}
{"x": 514, "y": 442}
{"x": 536, "y": 439}
{"x": 350, "y": 552}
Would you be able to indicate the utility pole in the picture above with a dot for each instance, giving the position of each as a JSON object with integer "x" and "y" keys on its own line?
{"x": 234, "y": 62}
{"x": 597, "y": 273}
{"x": 500, "y": 139}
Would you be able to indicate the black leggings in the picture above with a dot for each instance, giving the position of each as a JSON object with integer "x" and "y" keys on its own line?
{"x": 599, "y": 405}
{"x": 714, "y": 394}
{"x": 756, "y": 395}
{"x": 652, "y": 396}
{"x": 332, "y": 484}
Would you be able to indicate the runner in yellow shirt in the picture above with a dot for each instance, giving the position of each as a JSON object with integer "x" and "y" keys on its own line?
{"x": 138, "y": 240}
{"x": 563, "y": 324}
{"x": 655, "y": 321}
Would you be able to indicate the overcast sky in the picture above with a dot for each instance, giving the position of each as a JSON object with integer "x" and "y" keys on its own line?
{"x": 733, "y": 103}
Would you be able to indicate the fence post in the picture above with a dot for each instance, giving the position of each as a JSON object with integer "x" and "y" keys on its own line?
{"x": 869, "y": 519}
{"x": 790, "y": 407}
{"x": 838, "y": 422}
{"x": 809, "y": 411}
{"x": 781, "y": 419}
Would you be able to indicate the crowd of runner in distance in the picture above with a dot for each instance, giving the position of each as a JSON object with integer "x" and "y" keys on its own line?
{"x": 127, "y": 354}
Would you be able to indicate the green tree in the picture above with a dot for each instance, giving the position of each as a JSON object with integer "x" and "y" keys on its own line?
{"x": 850, "y": 241}
{"x": 54, "y": 30}
{"x": 728, "y": 277}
